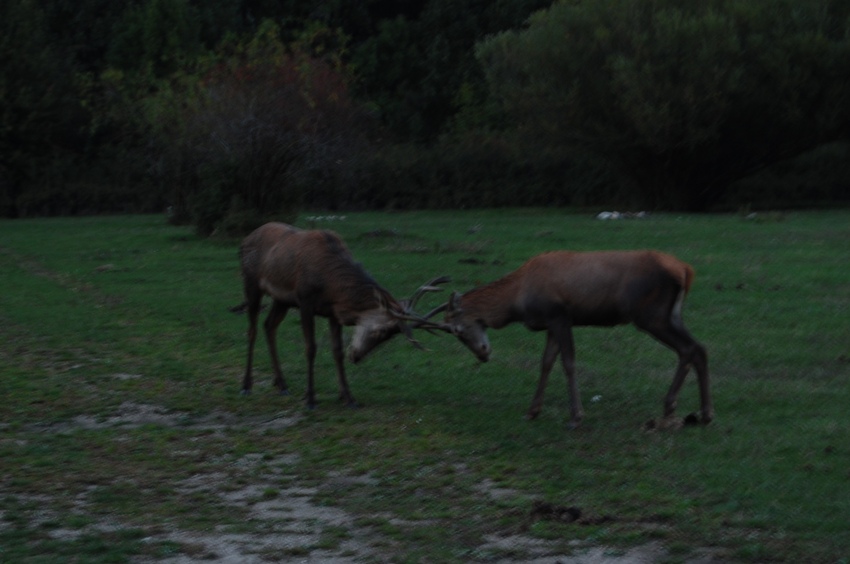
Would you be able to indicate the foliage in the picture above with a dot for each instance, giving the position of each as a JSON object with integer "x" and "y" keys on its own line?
{"x": 231, "y": 139}
{"x": 120, "y": 368}
{"x": 114, "y": 106}
{"x": 681, "y": 97}
{"x": 39, "y": 116}
{"x": 157, "y": 37}
{"x": 816, "y": 178}
{"x": 241, "y": 143}
{"x": 463, "y": 172}
{"x": 84, "y": 30}
{"x": 416, "y": 63}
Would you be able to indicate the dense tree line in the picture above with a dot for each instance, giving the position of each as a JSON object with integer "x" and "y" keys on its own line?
{"x": 681, "y": 97}
{"x": 230, "y": 111}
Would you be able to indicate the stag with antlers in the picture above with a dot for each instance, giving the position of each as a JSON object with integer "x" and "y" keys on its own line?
{"x": 314, "y": 271}
{"x": 557, "y": 291}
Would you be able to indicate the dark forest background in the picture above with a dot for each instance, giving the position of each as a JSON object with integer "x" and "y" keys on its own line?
{"x": 227, "y": 112}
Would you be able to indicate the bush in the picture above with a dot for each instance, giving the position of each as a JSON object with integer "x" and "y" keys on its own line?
{"x": 471, "y": 171}
{"x": 682, "y": 98}
{"x": 820, "y": 177}
{"x": 259, "y": 126}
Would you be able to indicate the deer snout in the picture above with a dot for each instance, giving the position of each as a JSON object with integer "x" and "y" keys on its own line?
{"x": 479, "y": 344}
{"x": 483, "y": 352}
{"x": 355, "y": 355}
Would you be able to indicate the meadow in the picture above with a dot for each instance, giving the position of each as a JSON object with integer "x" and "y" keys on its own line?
{"x": 123, "y": 436}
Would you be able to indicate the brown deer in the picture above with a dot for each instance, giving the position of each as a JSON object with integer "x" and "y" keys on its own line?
{"x": 560, "y": 290}
{"x": 315, "y": 272}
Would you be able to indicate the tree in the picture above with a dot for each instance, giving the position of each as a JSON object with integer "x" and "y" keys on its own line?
{"x": 418, "y": 62}
{"x": 681, "y": 97}
{"x": 238, "y": 145}
{"x": 156, "y": 37}
{"x": 40, "y": 119}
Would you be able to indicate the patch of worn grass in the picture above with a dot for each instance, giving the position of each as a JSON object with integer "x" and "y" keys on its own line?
{"x": 121, "y": 368}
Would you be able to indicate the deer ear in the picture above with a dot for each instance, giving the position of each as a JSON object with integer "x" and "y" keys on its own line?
{"x": 454, "y": 302}
{"x": 383, "y": 302}
{"x": 387, "y": 304}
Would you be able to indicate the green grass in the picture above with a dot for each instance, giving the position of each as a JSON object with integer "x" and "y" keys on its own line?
{"x": 99, "y": 316}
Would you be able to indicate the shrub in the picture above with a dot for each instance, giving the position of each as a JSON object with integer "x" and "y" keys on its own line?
{"x": 469, "y": 171}
{"x": 262, "y": 122}
{"x": 682, "y": 98}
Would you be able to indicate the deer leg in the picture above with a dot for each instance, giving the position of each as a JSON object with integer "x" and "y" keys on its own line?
{"x": 690, "y": 352}
{"x": 276, "y": 315}
{"x": 254, "y": 297}
{"x": 308, "y": 326}
{"x": 698, "y": 358}
{"x": 550, "y": 353}
{"x": 671, "y": 400}
{"x": 339, "y": 360}
{"x": 568, "y": 360}
{"x": 700, "y": 363}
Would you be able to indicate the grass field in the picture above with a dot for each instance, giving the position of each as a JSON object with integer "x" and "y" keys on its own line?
{"x": 123, "y": 436}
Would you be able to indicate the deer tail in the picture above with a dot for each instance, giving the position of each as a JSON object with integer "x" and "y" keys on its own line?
{"x": 688, "y": 278}
{"x": 684, "y": 287}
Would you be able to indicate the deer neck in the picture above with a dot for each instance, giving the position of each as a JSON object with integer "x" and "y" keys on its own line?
{"x": 352, "y": 293}
{"x": 493, "y": 304}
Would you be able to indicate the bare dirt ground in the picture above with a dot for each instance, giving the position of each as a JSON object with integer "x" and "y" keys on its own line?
{"x": 290, "y": 525}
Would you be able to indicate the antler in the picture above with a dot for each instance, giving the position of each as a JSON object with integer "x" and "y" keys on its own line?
{"x": 418, "y": 321}
{"x": 425, "y": 321}
{"x": 439, "y": 309}
{"x": 408, "y": 334}
{"x": 430, "y": 286}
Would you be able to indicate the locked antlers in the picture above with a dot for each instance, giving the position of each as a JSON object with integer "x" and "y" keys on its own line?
{"x": 418, "y": 321}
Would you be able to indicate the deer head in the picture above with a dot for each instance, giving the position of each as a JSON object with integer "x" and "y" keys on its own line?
{"x": 470, "y": 331}
{"x": 389, "y": 318}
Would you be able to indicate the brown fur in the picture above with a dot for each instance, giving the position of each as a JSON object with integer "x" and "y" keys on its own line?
{"x": 559, "y": 290}
{"x": 315, "y": 272}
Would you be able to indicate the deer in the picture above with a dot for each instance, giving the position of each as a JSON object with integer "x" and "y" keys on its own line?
{"x": 559, "y": 290}
{"x": 314, "y": 271}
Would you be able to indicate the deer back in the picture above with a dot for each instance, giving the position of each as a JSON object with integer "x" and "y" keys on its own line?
{"x": 588, "y": 288}
{"x": 600, "y": 288}
{"x": 310, "y": 267}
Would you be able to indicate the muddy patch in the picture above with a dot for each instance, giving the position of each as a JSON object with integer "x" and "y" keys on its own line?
{"x": 291, "y": 524}
{"x": 538, "y": 551}
{"x": 131, "y": 415}
{"x": 494, "y": 491}
{"x": 270, "y": 512}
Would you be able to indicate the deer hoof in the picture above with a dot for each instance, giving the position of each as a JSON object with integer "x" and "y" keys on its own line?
{"x": 691, "y": 419}
{"x": 245, "y": 392}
